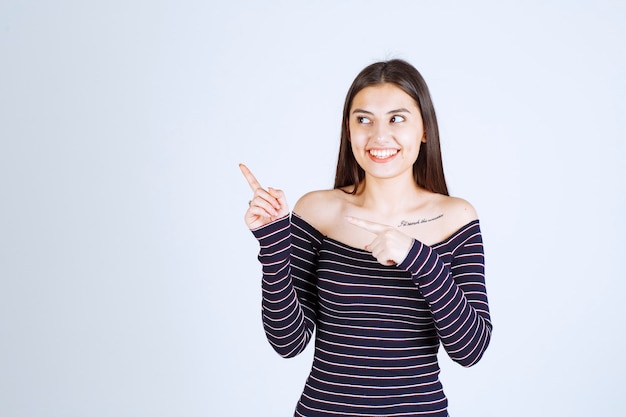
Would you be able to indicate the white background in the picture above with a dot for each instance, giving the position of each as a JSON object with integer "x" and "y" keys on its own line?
{"x": 129, "y": 284}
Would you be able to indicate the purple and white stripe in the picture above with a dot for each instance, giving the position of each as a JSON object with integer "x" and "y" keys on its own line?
{"x": 378, "y": 327}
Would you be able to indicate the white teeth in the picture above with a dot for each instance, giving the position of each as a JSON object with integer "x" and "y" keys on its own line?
{"x": 383, "y": 153}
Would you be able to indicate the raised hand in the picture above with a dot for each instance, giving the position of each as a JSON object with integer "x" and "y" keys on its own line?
{"x": 266, "y": 205}
{"x": 390, "y": 246}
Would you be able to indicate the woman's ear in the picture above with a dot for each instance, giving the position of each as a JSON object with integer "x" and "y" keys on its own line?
{"x": 424, "y": 137}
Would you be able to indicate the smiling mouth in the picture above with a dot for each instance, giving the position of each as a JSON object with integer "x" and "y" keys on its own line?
{"x": 382, "y": 153}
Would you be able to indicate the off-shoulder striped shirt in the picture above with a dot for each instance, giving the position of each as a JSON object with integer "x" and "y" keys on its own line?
{"x": 377, "y": 328}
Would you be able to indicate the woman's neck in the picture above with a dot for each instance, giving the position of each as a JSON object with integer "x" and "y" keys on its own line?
{"x": 390, "y": 195}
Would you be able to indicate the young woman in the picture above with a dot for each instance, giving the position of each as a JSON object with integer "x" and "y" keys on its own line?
{"x": 386, "y": 266}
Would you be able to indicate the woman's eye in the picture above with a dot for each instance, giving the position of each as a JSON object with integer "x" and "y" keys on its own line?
{"x": 363, "y": 120}
{"x": 397, "y": 119}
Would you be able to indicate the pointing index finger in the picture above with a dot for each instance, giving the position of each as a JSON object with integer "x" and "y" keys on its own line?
{"x": 367, "y": 225}
{"x": 252, "y": 181}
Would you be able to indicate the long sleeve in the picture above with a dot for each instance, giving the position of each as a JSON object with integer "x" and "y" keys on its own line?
{"x": 288, "y": 253}
{"x": 456, "y": 293}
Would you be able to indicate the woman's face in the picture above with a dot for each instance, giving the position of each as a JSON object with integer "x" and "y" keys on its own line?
{"x": 386, "y": 131}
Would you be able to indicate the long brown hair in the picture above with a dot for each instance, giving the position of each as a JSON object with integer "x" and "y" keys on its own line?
{"x": 428, "y": 168}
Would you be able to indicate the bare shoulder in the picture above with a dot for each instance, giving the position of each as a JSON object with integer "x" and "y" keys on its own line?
{"x": 318, "y": 207}
{"x": 459, "y": 212}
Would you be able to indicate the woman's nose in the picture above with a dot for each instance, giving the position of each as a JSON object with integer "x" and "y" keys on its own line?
{"x": 381, "y": 134}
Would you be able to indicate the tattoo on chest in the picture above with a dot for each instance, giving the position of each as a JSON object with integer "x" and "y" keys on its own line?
{"x": 420, "y": 221}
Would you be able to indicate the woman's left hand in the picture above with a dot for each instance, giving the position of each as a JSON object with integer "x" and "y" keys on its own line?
{"x": 390, "y": 246}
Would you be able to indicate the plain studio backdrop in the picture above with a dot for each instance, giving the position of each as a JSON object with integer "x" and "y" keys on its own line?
{"x": 129, "y": 284}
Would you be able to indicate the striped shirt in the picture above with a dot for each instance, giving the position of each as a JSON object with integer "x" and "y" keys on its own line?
{"x": 378, "y": 327}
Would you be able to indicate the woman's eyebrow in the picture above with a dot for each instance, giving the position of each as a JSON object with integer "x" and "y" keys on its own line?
{"x": 400, "y": 110}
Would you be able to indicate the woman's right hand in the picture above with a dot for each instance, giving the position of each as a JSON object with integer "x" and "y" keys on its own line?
{"x": 266, "y": 205}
